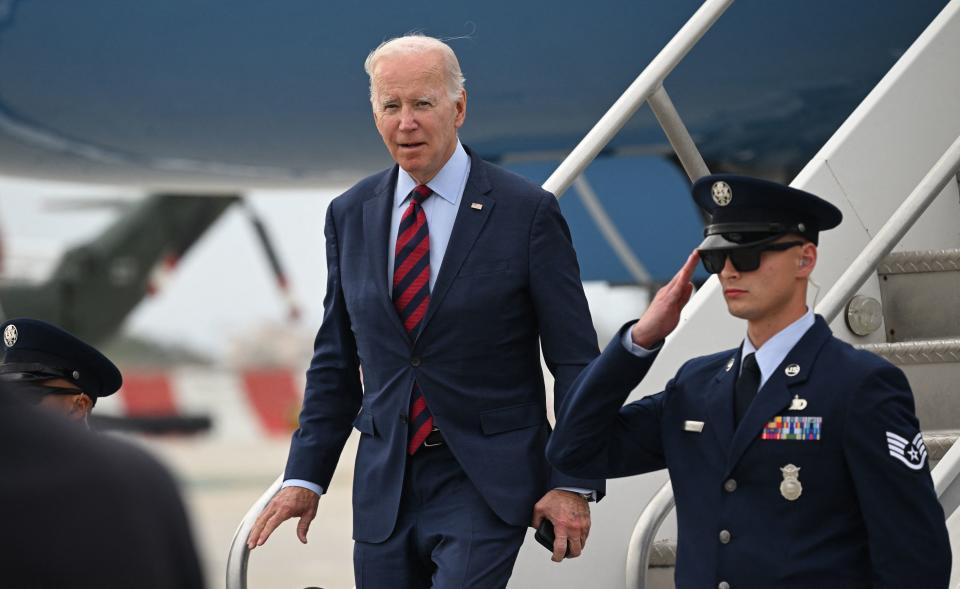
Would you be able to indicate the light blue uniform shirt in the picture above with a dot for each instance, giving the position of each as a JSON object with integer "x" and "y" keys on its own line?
{"x": 775, "y": 349}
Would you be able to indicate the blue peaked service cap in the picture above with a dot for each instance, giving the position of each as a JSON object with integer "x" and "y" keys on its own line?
{"x": 748, "y": 211}
{"x": 44, "y": 350}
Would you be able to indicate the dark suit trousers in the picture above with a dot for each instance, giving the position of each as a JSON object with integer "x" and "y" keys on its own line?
{"x": 446, "y": 535}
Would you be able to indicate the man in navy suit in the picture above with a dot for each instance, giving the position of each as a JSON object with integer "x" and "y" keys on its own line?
{"x": 796, "y": 460}
{"x": 445, "y": 276}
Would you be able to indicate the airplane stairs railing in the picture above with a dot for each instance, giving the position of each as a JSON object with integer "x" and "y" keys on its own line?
{"x": 647, "y": 87}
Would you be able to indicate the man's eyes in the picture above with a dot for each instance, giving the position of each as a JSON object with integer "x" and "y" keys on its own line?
{"x": 395, "y": 106}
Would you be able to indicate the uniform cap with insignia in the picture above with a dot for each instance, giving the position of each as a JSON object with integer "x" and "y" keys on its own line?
{"x": 746, "y": 211}
{"x": 35, "y": 350}
{"x": 748, "y": 216}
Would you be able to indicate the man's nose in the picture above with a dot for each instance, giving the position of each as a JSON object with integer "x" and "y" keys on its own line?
{"x": 408, "y": 119}
{"x": 729, "y": 271}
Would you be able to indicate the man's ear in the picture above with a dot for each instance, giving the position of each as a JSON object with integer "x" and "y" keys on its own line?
{"x": 807, "y": 260}
{"x": 82, "y": 405}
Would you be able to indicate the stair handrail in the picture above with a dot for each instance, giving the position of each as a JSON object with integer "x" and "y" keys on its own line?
{"x": 642, "y": 88}
{"x": 891, "y": 233}
{"x": 239, "y": 553}
{"x": 644, "y": 534}
{"x": 945, "y": 476}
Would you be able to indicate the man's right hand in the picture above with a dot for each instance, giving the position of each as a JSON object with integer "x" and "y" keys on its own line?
{"x": 289, "y": 502}
{"x": 663, "y": 312}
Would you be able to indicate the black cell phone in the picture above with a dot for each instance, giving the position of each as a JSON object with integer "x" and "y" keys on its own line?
{"x": 545, "y": 536}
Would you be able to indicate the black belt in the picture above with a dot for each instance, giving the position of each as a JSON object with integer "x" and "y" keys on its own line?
{"x": 434, "y": 439}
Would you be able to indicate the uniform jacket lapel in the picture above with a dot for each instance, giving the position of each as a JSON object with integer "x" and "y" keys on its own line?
{"x": 466, "y": 229}
{"x": 720, "y": 400}
{"x": 775, "y": 395}
{"x": 376, "y": 232}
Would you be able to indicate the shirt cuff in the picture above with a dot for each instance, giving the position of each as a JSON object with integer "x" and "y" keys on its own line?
{"x": 304, "y": 484}
{"x": 579, "y": 491}
{"x": 638, "y": 351}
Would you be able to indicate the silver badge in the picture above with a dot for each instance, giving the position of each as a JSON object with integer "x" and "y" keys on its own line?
{"x": 798, "y": 404}
{"x": 792, "y": 370}
{"x": 722, "y": 193}
{"x": 790, "y": 487}
{"x": 10, "y": 335}
{"x": 729, "y": 364}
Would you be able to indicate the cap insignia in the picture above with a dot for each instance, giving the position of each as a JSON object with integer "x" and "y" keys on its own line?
{"x": 722, "y": 193}
{"x": 10, "y": 335}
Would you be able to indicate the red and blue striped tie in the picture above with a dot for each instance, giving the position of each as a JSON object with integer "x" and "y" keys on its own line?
{"x": 411, "y": 296}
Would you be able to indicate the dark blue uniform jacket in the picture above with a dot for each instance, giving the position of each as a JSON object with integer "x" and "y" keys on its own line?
{"x": 863, "y": 518}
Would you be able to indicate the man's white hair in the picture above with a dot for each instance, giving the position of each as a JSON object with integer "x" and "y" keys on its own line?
{"x": 415, "y": 43}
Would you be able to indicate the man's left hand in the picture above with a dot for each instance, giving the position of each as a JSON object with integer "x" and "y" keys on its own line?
{"x": 570, "y": 515}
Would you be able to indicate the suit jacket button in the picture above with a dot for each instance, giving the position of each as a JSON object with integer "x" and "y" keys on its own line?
{"x": 724, "y": 537}
{"x": 730, "y": 486}
{"x": 723, "y": 585}
{"x": 403, "y": 418}
{"x": 415, "y": 361}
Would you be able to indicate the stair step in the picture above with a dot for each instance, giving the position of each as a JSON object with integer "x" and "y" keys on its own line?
{"x": 933, "y": 369}
{"x": 916, "y": 262}
{"x": 937, "y": 443}
{"x": 663, "y": 553}
{"x": 920, "y": 291}
{"x": 934, "y": 351}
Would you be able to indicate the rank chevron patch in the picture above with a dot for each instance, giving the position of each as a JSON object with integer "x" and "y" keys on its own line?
{"x": 913, "y": 454}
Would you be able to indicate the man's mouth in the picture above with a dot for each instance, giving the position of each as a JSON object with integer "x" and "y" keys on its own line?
{"x": 410, "y": 145}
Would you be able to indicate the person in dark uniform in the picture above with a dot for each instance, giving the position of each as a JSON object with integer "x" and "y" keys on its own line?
{"x": 45, "y": 365}
{"x": 86, "y": 511}
{"x": 795, "y": 459}
{"x": 78, "y": 510}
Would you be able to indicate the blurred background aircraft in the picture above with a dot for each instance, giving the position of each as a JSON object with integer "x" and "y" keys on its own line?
{"x": 167, "y": 164}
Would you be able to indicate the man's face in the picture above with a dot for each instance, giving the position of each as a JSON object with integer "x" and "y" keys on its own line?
{"x": 76, "y": 406}
{"x": 414, "y": 113}
{"x": 772, "y": 288}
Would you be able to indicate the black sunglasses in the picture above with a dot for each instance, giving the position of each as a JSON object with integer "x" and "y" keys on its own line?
{"x": 745, "y": 259}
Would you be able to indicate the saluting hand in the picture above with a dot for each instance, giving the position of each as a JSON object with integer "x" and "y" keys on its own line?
{"x": 289, "y": 502}
{"x": 663, "y": 313}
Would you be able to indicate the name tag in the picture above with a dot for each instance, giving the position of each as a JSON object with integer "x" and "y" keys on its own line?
{"x": 693, "y": 426}
{"x": 793, "y": 428}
